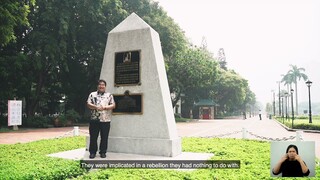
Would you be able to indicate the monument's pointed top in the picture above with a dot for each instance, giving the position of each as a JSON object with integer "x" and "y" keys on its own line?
{"x": 132, "y": 22}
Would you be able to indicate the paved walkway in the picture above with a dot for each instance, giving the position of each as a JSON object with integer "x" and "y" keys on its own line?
{"x": 226, "y": 128}
{"x": 29, "y": 135}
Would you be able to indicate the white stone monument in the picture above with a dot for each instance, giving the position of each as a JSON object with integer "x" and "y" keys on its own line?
{"x": 151, "y": 130}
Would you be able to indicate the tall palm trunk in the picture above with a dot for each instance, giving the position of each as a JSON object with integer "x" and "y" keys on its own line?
{"x": 290, "y": 99}
{"x": 297, "y": 73}
{"x": 296, "y": 89}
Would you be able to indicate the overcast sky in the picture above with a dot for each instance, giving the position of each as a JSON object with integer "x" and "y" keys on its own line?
{"x": 261, "y": 38}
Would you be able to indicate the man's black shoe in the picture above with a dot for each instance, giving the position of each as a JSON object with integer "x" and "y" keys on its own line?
{"x": 103, "y": 155}
{"x": 92, "y": 156}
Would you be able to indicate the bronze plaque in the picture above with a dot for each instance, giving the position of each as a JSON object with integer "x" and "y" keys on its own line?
{"x": 128, "y": 104}
{"x": 127, "y": 68}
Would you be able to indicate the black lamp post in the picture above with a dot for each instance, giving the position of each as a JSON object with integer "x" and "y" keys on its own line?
{"x": 292, "y": 106}
{"x": 310, "y": 115}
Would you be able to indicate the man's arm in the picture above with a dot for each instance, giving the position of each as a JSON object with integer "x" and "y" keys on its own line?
{"x": 94, "y": 107}
{"x": 111, "y": 105}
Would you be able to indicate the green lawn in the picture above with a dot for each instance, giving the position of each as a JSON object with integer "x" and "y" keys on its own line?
{"x": 301, "y": 122}
{"x": 29, "y": 161}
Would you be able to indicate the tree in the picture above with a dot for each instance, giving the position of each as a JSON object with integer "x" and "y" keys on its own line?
{"x": 296, "y": 74}
{"x": 191, "y": 73}
{"x": 171, "y": 35}
{"x": 89, "y": 25}
{"x": 222, "y": 59}
{"x": 61, "y": 52}
{"x": 269, "y": 108}
{"x": 232, "y": 92}
{"x": 12, "y": 15}
{"x": 250, "y": 100}
{"x": 288, "y": 79}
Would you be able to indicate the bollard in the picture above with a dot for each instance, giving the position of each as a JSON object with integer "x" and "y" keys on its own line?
{"x": 244, "y": 133}
{"x": 299, "y": 135}
{"x": 76, "y": 131}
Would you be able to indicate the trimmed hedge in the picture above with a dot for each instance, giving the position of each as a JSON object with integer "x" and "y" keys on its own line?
{"x": 306, "y": 126}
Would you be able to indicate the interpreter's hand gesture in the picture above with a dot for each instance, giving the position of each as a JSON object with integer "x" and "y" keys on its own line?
{"x": 298, "y": 158}
{"x": 284, "y": 157}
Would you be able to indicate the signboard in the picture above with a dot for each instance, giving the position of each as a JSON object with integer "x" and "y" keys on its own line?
{"x": 128, "y": 104}
{"x": 14, "y": 112}
{"x": 127, "y": 68}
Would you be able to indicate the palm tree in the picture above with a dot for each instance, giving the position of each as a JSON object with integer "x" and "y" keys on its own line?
{"x": 296, "y": 73}
{"x": 287, "y": 79}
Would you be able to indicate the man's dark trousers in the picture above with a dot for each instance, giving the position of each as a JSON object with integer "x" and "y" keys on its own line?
{"x": 95, "y": 127}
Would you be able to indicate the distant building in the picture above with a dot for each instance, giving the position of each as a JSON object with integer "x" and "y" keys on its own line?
{"x": 204, "y": 109}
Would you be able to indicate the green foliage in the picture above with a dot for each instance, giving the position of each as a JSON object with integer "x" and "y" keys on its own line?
{"x": 73, "y": 115}
{"x": 29, "y": 161}
{"x": 307, "y": 126}
{"x": 36, "y": 121}
{"x": 182, "y": 119}
{"x": 172, "y": 37}
{"x": 296, "y": 73}
{"x": 12, "y": 14}
{"x": 3, "y": 120}
{"x": 60, "y": 120}
{"x": 293, "y": 76}
{"x": 61, "y": 51}
{"x": 301, "y": 123}
{"x": 232, "y": 92}
{"x": 193, "y": 73}
{"x": 67, "y": 119}
{"x": 254, "y": 157}
{"x": 12, "y": 76}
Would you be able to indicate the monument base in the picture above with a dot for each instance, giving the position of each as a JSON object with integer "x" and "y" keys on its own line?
{"x": 143, "y": 146}
{"x": 82, "y": 154}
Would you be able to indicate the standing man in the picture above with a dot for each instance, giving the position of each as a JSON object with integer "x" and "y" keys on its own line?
{"x": 260, "y": 116}
{"x": 101, "y": 104}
